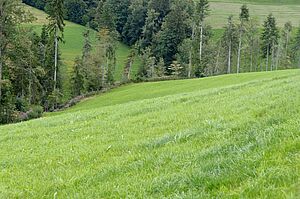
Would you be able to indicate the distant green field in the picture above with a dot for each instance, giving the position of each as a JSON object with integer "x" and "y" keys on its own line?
{"x": 284, "y": 11}
{"x": 233, "y": 136}
{"x": 73, "y": 47}
{"x": 280, "y": 2}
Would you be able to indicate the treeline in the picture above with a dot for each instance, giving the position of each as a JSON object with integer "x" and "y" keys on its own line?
{"x": 30, "y": 81}
{"x": 77, "y": 11}
{"x": 171, "y": 38}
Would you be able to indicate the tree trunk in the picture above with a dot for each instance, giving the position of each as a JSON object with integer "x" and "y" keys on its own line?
{"x": 152, "y": 68}
{"x": 1, "y": 65}
{"x": 277, "y": 57}
{"x": 1, "y": 58}
{"x": 216, "y": 70}
{"x": 56, "y": 57}
{"x": 267, "y": 60}
{"x": 273, "y": 56}
{"x": 239, "y": 53}
{"x": 129, "y": 69}
{"x": 251, "y": 58}
{"x": 229, "y": 58}
{"x": 30, "y": 86}
{"x": 191, "y": 53}
{"x": 103, "y": 72}
{"x": 201, "y": 43}
{"x": 287, "y": 44}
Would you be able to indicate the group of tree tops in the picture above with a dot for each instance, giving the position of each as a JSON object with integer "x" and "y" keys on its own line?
{"x": 29, "y": 63}
{"x": 173, "y": 40}
{"x": 185, "y": 45}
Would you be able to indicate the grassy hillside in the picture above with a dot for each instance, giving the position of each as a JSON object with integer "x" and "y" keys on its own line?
{"x": 283, "y": 10}
{"x": 233, "y": 136}
{"x": 264, "y": 2}
{"x": 73, "y": 47}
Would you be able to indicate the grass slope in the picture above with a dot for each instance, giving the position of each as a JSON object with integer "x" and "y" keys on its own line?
{"x": 283, "y": 10}
{"x": 263, "y": 2}
{"x": 73, "y": 47}
{"x": 233, "y": 136}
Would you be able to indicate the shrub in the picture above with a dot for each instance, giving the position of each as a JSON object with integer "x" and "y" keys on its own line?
{"x": 22, "y": 105}
{"x": 35, "y": 112}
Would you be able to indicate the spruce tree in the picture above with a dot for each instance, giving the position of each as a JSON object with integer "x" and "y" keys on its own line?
{"x": 175, "y": 29}
{"x": 202, "y": 12}
{"x": 150, "y": 29}
{"x": 244, "y": 17}
{"x": 269, "y": 39}
{"x": 230, "y": 41}
{"x": 296, "y": 47}
{"x": 55, "y": 8}
{"x": 11, "y": 15}
{"x": 288, "y": 28}
{"x": 252, "y": 36}
{"x": 77, "y": 78}
{"x": 136, "y": 21}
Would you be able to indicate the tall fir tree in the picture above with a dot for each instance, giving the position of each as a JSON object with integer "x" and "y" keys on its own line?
{"x": 11, "y": 15}
{"x": 287, "y": 30}
{"x": 230, "y": 41}
{"x": 136, "y": 20}
{"x": 244, "y": 17}
{"x": 55, "y": 8}
{"x": 77, "y": 78}
{"x": 202, "y": 13}
{"x": 175, "y": 29}
{"x": 269, "y": 39}
{"x": 296, "y": 47}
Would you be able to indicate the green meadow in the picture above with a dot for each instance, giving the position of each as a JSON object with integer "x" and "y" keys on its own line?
{"x": 232, "y": 136}
{"x": 283, "y": 10}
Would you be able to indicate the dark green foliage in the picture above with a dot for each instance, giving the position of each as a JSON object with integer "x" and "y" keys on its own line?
{"x": 54, "y": 99}
{"x": 244, "y": 15}
{"x": 162, "y": 7}
{"x": 40, "y": 4}
{"x": 206, "y": 53}
{"x": 135, "y": 23}
{"x": 105, "y": 17}
{"x": 174, "y": 30}
{"x": 35, "y": 112}
{"x": 76, "y": 11}
{"x": 7, "y": 103}
{"x": 202, "y": 9}
{"x": 55, "y": 9}
{"x": 147, "y": 66}
{"x": 150, "y": 29}
{"x": 78, "y": 78}
{"x": 230, "y": 41}
{"x": 269, "y": 36}
{"x": 120, "y": 11}
{"x": 296, "y": 48}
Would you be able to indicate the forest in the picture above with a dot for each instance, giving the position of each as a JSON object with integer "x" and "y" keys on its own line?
{"x": 170, "y": 38}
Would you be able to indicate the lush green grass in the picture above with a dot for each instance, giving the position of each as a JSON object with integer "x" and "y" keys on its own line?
{"x": 73, "y": 47}
{"x": 284, "y": 11}
{"x": 233, "y": 136}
